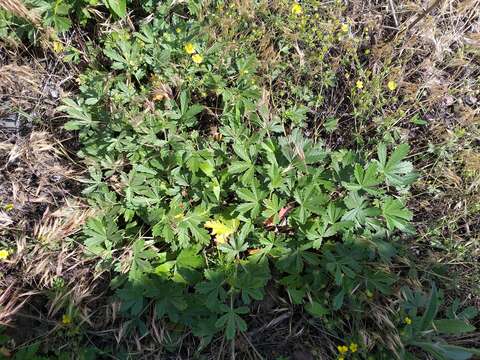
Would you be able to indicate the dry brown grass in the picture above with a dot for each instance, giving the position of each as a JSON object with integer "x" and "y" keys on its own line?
{"x": 38, "y": 186}
{"x": 19, "y": 9}
{"x": 34, "y": 177}
{"x": 18, "y": 85}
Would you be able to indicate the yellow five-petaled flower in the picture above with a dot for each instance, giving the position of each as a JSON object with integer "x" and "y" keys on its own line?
{"x": 66, "y": 319}
{"x": 353, "y": 347}
{"x": 197, "y": 58}
{"x": 342, "y": 349}
{"x": 189, "y": 48}
{"x": 4, "y": 254}
{"x": 296, "y": 9}
{"x": 392, "y": 85}
{"x": 344, "y": 28}
{"x": 407, "y": 320}
{"x": 359, "y": 84}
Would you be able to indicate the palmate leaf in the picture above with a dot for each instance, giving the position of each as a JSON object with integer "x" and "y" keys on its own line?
{"x": 233, "y": 248}
{"x": 293, "y": 261}
{"x": 380, "y": 280}
{"x": 359, "y": 210}
{"x": 275, "y": 175}
{"x": 247, "y": 169}
{"x": 252, "y": 200}
{"x": 140, "y": 260}
{"x": 213, "y": 288}
{"x": 131, "y": 297}
{"x": 181, "y": 230}
{"x": 273, "y": 208}
{"x": 396, "y": 171}
{"x": 77, "y": 111}
{"x": 396, "y": 215}
{"x": 366, "y": 179}
{"x": 246, "y": 165}
{"x": 252, "y": 278}
{"x": 310, "y": 200}
{"x": 301, "y": 151}
{"x": 190, "y": 258}
{"x": 327, "y": 226}
{"x": 192, "y": 222}
{"x": 187, "y": 265}
{"x": 232, "y": 322}
{"x": 102, "y": 235}
{"x": 169, "y": 297}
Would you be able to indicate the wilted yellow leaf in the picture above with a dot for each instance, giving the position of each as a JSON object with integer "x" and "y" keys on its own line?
{"x": 222, "y": 229}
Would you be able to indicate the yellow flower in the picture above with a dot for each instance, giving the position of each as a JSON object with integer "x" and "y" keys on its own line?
{"x": 57, "y": 47}
{"x": 407, "y": 320}
{"x": 392, "y": 85}
{"x": 359, "y": 84}
{"x": 342, "y": 349}
{"x": 189, "y": 48}
{"x": 8, "y": 207}
{"x": 296, "y": 9}
{"x": 344, "y": 28}
{"x": 341, "y": 358}
{"x": 197, "y": 58}
{"x": 66, "y": 319}
{"x": 353, "y": 347}
{"x": 4, "y": 254}
{"x": 179, "y": 217}
{"x": 222, "y": 229}
{"x": 178, "y": 30}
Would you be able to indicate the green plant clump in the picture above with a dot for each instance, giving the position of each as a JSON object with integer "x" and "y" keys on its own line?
{"x": 215, "y": 197}
{"x": 206, "y": 195}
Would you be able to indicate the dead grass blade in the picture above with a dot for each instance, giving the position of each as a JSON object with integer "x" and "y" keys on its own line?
{"x": 19, "y": 9}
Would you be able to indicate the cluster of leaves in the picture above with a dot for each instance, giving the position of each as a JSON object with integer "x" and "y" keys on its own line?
{"x": 167, "y": 165}
{"x": 57, "y": 15}
{"x": 425, "y": 329}
{"x": 206, "y": 195}
{"x": 317, "y": 63}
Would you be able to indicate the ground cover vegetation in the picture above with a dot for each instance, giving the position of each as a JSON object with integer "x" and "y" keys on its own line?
{"x": 239, "y": 179}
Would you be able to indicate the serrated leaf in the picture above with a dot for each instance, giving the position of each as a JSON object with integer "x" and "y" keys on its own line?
{"x": 366, "y": 179}
{"x": 252, "y": 200}
{"x": 397, "y": 172}
{"x": 232, "y": 322}
{"x": 190, "y": 258}
{"x": 396, "y": 214}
